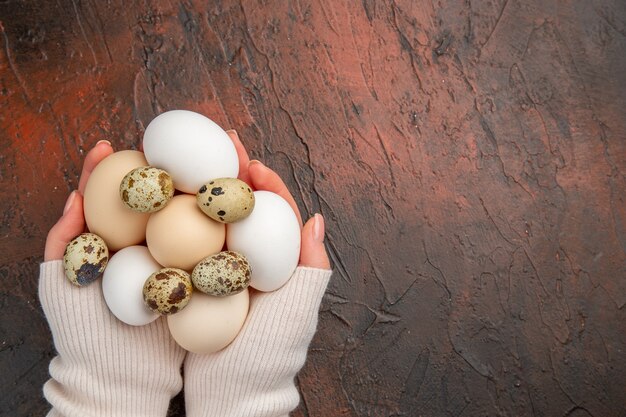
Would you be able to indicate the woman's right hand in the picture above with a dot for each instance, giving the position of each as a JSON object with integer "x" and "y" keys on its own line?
{"x": 260, "y": 177}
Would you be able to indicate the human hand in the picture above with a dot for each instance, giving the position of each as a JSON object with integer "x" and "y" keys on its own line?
{"x": 254, "y": 173}
{"x": 254, "y": 375}
{"x": 259, "y": 177}
{"x": 104, "y": 367}
{"x": 72, "y": 222}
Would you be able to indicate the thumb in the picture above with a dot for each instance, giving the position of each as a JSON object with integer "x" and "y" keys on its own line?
{"x": 312, "y": 251}
{"x": 70, "y": 225}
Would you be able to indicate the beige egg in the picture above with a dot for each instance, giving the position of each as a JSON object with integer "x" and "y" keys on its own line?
{"x": 180, "y": 235}
{"x": 225, "y": 273}
{"x": 226, "y": 200}
{"x": 146, "y": 189}
{"x": 85, "y": 259}
{"x": 209, "y": 324}
{"x": 167, "y": 291}
{"x": 105, "y": 213}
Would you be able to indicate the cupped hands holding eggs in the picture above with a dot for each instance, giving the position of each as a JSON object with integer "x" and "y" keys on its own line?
{"x": 216, "y": 234}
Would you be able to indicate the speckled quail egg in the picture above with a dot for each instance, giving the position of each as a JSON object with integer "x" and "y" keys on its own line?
{"x": 226, "y": 200}
{"x": 85, "y": 258}
{"x": 167, "y": 291}
{"x": 146, "y": 189}
{"x": 225, "y": 273}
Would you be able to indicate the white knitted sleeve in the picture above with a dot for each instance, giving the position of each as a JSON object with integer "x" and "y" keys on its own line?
{"x": 254, "y": 376}
{"x": 104, "y": 367}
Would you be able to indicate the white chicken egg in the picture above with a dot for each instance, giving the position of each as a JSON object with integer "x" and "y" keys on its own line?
{"x": 122, "y": 285}
{"x": 191, "y": 148}
{"x": 269, "y": 238}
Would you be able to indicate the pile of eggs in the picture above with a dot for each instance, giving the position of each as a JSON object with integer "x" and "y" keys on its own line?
{"x": 189, "y": 237}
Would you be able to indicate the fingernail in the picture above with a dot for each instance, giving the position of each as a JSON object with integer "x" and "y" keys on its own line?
{"x": 103, "y": 141}
{"x": 69, "y": 202}
{"x": 318, "y": 227}
{"x": 234, "y": 132}
{"x": 255, "y": 162}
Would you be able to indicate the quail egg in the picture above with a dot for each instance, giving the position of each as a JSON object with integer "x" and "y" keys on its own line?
{"x": 225, "y": 273}
{"x": 146, "y": 189}
{"x": 85, "y": 258}
{"x": 226, "y": 200}
{"x": 167, "y": 291}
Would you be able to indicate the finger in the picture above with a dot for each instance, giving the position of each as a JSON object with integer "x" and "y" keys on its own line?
{"x": 242, "y": 154}
{"x": 98, "y": 153}
{"x": 70, "y": 225}
{"x": 265, "y": 179}
{"x": 312, "y": 251}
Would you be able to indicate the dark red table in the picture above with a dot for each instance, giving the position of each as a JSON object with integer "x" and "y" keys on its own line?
{"x": 469, "y": 157}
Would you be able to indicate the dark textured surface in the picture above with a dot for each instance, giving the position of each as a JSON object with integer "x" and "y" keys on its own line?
{"x": 469, "y": 157}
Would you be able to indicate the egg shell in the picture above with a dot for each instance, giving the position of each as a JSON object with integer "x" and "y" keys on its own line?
{"x": 225, "y": 273}
{"x": 122, "y": 285}
{"x": 146, "y": 189}
{"x": 85, "y": 259}
{"x": 180, "y": 235}
{"x": 269, "y": 239}
{"x": 105, "y": 213}
{"x": 167, "y": 291}
{"x": 191, "y": 147}
{"x": 209, "y": 324}
{"x": 226, "y": 200}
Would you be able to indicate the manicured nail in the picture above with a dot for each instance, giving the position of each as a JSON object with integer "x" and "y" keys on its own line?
{"x": 233, "y": 132}
{"x": 318, "y": 227}
{"x": 69, "y": 202}
{"x": 255, "y": 162}
{"x": 103, "y": 141}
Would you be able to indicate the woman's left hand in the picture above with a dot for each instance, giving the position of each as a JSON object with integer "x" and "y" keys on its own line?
{"x": 72, "y": 222}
